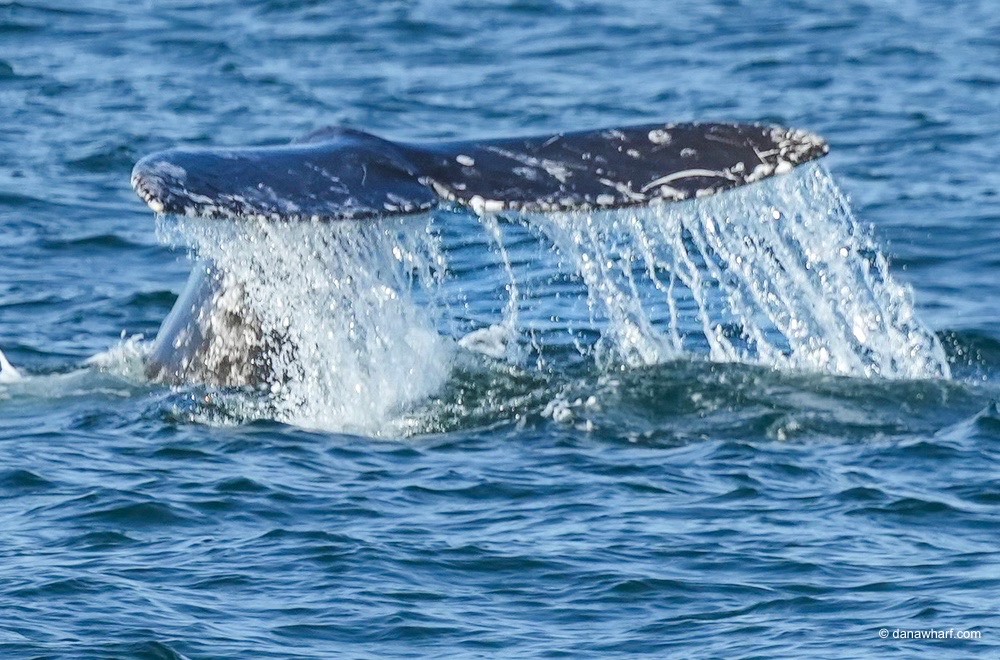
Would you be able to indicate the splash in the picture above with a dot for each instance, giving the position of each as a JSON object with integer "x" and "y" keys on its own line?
{"x": 352, "y": 337}
{"x": 126, "y": 359}
{"x": 779, "y": 274}
{"x": 359, "y": 316}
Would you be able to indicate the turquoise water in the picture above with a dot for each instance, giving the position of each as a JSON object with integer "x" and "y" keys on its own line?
{"x": 555, "y": 503}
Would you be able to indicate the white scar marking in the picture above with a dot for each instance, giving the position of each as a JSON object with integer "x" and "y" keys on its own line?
{"x": 684, "y": 174}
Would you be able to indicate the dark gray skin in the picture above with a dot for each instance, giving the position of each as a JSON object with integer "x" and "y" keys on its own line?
{"x": 210, "y": 336}
{"x": 337, "y": 174}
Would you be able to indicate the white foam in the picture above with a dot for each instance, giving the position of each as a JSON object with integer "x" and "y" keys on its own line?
{"x": 125, "y": 359}
{"x": 495, "y": 341}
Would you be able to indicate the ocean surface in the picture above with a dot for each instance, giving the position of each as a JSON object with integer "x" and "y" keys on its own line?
{"x": 523, "y": 455}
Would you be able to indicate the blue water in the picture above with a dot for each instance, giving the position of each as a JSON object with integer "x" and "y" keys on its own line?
{"x": 690, "y": 508}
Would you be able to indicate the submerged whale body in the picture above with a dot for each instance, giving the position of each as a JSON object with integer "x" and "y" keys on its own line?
{"x": 336, "y": 174}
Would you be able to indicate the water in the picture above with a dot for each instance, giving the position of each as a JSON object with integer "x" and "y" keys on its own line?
{"x": 702, "y": 448}
{"x": 351, "y": 344}
{"x": 343, "y": 326}
{"x": 778, "y": 274}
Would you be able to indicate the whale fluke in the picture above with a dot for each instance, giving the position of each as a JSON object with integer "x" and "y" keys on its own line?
{"x": 348, "y": 175}
{"x": 344, "y": 174}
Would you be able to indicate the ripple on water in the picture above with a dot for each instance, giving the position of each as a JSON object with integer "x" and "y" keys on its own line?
{"x": 545, "y": 507}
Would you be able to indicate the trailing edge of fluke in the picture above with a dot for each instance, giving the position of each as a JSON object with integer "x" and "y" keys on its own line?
{"x": 344, "y": 174}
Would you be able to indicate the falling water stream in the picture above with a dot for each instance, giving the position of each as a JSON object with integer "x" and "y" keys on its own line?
{"x": 778, "y": 274}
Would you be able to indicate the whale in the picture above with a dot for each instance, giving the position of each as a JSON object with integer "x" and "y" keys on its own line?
{"x": 339, "y": 174}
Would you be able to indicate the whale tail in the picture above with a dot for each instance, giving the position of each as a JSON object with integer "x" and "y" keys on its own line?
{"x": 333, "y": 174}
{"x": 343, "y": 174}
